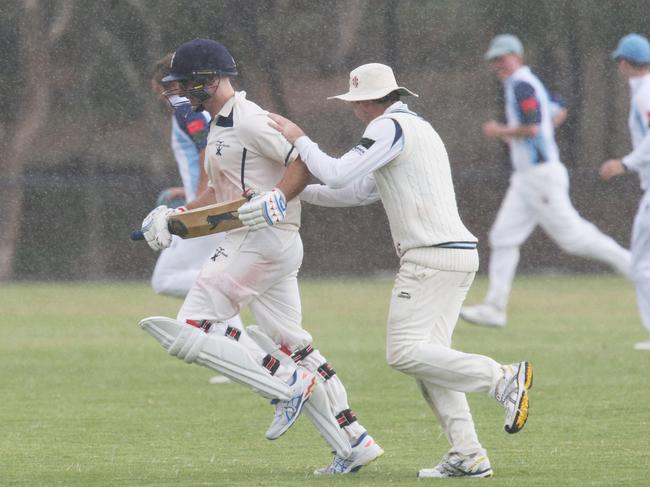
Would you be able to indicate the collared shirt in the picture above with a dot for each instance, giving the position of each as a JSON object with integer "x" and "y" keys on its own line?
{"x": 639, "y": 125}
{"x": 188, "y": 138}
{"x": 527, "y": 102}
{"x": 240, "y": 134}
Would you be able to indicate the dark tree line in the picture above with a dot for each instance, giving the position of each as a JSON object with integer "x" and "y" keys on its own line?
{"x": 81, "y": 132}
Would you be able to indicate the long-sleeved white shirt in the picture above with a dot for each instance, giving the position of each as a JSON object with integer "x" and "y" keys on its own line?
{"x": 349, "y": 180}
{"x": 639, "y": 123}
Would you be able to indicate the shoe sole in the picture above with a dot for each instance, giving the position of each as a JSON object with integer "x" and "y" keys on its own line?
{"x": 481, "y": 475}
{"x": 359, "y": 467}
{"x": 522, "y": 408}
{"x": 354, "y": 469}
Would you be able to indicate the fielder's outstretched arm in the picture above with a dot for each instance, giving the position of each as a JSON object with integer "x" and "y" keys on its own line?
{"x": 360, "y": 193}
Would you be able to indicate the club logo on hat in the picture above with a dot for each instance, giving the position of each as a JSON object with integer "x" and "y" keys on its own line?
{"x": 355, "y": 81}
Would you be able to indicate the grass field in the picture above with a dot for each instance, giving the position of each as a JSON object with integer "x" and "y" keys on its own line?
{"x": 88, "y": 399}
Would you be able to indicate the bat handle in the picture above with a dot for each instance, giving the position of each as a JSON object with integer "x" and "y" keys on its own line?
{"x": 136, "y": 235}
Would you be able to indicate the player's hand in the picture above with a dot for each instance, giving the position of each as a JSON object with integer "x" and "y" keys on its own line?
{"x": 611, "y": 168}
{"x": 286, "y": 127}
{"x": 154, "y": 226}
{"x": 492, "y": 129}
{"x": 264, "y": 210}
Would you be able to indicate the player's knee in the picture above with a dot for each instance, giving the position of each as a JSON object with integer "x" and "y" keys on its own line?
{"x": 397, "y": 358}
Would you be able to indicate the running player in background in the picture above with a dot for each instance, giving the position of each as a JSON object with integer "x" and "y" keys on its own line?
{"x": 633, "y": 58}
{"x": 539, "y": 186}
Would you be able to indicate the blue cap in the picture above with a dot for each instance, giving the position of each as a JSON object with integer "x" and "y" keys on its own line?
{"x": 633, "y": 47}
{"x": 504, "y": 44}
{"x": 200, "y": 57}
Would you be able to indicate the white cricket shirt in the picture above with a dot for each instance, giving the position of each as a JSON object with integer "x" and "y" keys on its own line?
{"x": 243, "y": 125}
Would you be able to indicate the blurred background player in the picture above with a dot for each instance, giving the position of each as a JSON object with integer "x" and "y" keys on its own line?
{"x": 633, "y": 58}
{"x": 256, "y": 265}
{"x": 401, "y": 160}
{"x": 539, "y": 186}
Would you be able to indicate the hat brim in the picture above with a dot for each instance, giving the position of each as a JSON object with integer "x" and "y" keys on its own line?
{"x": 497, "y": 52}
{"x": 373, "y": 95}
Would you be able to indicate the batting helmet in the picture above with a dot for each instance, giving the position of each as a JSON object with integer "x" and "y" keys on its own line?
{"x": 199, "y": 58}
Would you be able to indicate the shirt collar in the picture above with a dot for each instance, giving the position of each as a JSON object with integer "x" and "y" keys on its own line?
{"x": 522, "y": 70}
{"x": 397, "y": 106}
{"x": 637, "y": 81}
{"x": 227, "y": 107}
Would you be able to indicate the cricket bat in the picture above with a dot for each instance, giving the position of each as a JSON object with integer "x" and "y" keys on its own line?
{"x": 206, "y": 220}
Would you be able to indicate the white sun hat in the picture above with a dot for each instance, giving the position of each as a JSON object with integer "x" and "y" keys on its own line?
{"x": 371, "y": 82}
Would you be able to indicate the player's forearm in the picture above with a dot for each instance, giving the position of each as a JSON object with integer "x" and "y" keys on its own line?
{"x": 295, "y": 178}
{"x": 321, "y": 195}
{"x": 639, "y": 158}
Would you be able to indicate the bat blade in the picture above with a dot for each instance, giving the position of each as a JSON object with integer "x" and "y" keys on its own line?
{"x": 206, "y": 220}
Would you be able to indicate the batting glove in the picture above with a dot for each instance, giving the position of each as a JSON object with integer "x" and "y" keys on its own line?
{"x": 155, "y": 229}
{"x": 264, "y": 210}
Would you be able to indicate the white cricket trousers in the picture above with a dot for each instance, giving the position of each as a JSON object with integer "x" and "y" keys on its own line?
{"x": 641, "y": 258}
{"x": 424, "y": 309}
{"x": 540, "y": 196}
{"x": 258, "y": 269}
{"x": 179, "y": 265}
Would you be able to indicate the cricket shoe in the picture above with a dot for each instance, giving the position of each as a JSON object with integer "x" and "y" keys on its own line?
{"x": 364, "y": 451}
{"x": 512, "y": 394}
{"x": 457, "y": 465}
{"x": 645, "y": 345}
{"x": 302, "y": 383}
{"x": 484, "y": 314}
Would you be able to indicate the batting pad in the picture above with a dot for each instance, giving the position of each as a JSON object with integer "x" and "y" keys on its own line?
{"x": 220, "y": 353}
{"x": 318, "y": 408}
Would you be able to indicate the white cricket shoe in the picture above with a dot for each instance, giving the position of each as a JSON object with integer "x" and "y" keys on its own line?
{"x": 302, "y": 383}
{"x": 484, "y": 314}
{"x": 457, "y": 465}
{"x": 364, "y": 451}
{"x": 645, "y": 345}
{"x": 512, "y": 394}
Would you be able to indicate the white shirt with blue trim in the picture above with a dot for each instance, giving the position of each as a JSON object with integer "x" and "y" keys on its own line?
{"x": 639, "y": 123}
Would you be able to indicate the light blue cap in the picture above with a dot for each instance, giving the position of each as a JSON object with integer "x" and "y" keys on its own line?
{"x": 633, "y": 47}
{"x": 504, "y": 44}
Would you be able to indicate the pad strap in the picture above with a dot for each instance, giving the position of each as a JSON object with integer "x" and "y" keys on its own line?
{"x": 345, "y": 418}
{"x": 233, "y": 333}
{"x": 204, "y": 325}
{"x": 302, "y": 354}
{"x": 326, "y": 371}
{"x": 271, "y": 364}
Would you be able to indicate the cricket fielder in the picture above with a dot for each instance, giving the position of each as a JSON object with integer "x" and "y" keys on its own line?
{"x": 633, "y": 58}
{"x": 539, "y": 186}
{"x": 257, "y": 266}
{"x": 401, "y": 160}
{"x": 179, "y": 264}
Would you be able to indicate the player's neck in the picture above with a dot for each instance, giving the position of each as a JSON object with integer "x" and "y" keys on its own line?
{"x": 217, "y": 101}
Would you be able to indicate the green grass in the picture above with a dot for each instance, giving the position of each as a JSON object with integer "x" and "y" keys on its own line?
{"x": 88, "y": 399}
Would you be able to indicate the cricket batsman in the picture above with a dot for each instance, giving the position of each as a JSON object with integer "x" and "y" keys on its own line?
{"x": 255, "y": 265}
